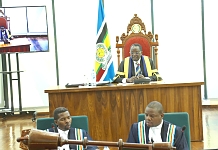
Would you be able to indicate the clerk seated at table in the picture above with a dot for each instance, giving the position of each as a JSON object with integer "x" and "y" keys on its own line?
{"x": 136, "y": 66}
{"x": 63, "y": 120}
{"x": 155, "y": 129}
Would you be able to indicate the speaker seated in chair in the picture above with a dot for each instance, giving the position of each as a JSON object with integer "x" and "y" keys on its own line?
{"x": 5, "y": 33}
{"x": 156, "y": 129}
{"x": 180, "y": 119}
{"x": 136, "y": 54}
{"x": 69, "y": 127}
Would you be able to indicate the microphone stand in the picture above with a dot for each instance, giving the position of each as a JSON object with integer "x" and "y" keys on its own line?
{"x": 53, "y": 127}
{"x": 180, "y": 135}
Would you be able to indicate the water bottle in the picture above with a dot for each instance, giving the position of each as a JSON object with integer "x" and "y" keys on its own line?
{"x": 93, "y": 78}
{"x": 86, "y": 81}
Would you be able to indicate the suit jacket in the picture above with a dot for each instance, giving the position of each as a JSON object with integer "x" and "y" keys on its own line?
{"x": 121, "y": 69}
{"x": 71, "y": 135}
{"x": 180, "y": 141}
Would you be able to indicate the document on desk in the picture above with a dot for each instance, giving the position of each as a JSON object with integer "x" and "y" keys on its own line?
{"x": 82, "y": 85}
{"x": 124, "y": 84}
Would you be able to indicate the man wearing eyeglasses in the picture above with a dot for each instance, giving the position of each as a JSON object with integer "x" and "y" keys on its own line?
{"x": 155, "y": 129}
{"x": 136, "y": 66}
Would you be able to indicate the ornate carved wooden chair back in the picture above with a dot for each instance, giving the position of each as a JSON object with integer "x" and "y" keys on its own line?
{"x": 136, "y": 33}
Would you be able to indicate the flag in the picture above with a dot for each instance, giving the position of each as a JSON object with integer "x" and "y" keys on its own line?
{"x": 104, "y": 66}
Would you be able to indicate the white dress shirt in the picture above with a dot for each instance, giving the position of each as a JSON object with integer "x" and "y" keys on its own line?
{"x": 155, "y": 133}
{"x": 64, "y": 135}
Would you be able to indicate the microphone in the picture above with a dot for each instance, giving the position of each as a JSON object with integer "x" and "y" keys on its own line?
{"x": 152, "y": 141}
{"x": 180, "y": 134}
{"x": 53, "y": 126}
{"x": 183, "y": 128}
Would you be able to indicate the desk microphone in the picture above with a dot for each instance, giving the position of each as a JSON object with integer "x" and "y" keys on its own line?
{"x": 152, "y": 141}
{"x": 53, "y": 126}
{"x": 181, "y": 134}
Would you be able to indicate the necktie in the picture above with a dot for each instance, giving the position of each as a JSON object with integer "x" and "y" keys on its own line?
{"x": 138, "y": 70}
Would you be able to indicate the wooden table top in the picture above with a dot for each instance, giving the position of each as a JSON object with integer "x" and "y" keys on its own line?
{"x": 159, "y": 84}
{"x": 15, "y": 42}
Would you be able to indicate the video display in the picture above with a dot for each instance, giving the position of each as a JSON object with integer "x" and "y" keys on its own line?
{"x": 24, "y": 25}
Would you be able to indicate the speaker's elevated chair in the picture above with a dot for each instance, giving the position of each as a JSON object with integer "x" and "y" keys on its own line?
{"x": 136, "y": 33}
{"x": 77, "y": 122}
{"x": 177, "y": 118}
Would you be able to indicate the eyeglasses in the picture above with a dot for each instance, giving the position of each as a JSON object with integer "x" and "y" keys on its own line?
{"x": 136, "y": 53}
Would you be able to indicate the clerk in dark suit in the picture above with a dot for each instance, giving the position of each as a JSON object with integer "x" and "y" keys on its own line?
{"x": 155, "y": 129}
{"x": 128, "y": 72}
{"x": 62, "y": 120}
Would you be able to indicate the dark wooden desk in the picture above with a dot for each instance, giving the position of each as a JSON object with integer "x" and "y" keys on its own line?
{"x": 16, "y": 45}
{"x": 111, "y": 110}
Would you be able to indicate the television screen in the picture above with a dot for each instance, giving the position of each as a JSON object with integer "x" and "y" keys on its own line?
{"x": 23, "y": 29}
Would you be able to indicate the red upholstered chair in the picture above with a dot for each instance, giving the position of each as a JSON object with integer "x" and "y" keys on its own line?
{"x": 3, "y": 22}
{"x": 136, "y": 33}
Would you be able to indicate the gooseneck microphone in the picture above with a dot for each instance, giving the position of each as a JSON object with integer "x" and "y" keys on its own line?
{"x": 152, "y": 141}
{"x": 179, "y": 137}
{"x": 183, "y": 128}
{"x": 53, "y": 126}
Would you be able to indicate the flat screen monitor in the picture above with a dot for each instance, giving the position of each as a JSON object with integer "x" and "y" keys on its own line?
{"x": 24, "y": 25}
